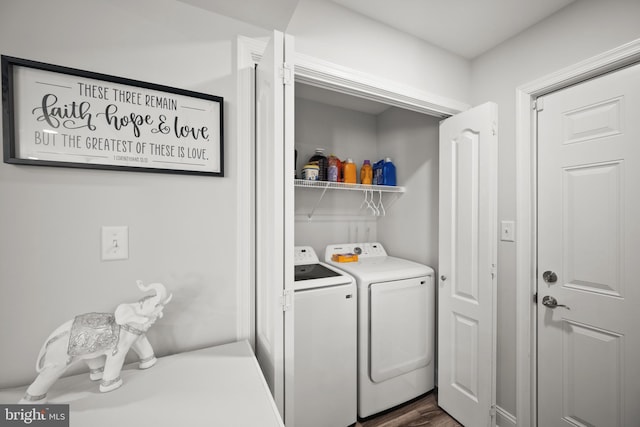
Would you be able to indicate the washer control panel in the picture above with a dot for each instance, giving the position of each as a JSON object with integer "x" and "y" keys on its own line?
{"x": 304, "y": 255}
{"x": 363, "y": 250}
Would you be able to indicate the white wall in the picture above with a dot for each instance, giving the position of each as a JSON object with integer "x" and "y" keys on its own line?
{"x": 345, "y": 133}
{"x": 581, "y": 30}
{"x": 410, "y": 229}
{"x": 182, "y": 229}
{"x": 330, "y": 32}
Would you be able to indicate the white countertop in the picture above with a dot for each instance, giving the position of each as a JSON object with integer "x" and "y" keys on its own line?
{"x": 216, "y": 386}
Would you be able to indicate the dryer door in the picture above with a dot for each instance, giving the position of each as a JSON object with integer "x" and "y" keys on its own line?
{"x": 401, "y": 325}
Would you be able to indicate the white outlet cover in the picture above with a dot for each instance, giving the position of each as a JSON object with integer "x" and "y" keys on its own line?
{"x": 115, "y": 243}
{"x": 508, "y": 231}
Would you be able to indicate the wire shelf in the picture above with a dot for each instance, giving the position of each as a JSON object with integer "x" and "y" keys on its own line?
{"x": 328, "y": 185}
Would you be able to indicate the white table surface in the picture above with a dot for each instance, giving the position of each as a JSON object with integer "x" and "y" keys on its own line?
{"x": 217, "y": 386}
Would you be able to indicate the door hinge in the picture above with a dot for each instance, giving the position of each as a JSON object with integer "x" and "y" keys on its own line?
{"x": 538, "y": 105}
{"x": 493, "y": 271}
{"x": 286, "y": 74}
{"x": 492, "y": 411}
{"x": 535, "y": 298}
{"x": 286, "y": 299}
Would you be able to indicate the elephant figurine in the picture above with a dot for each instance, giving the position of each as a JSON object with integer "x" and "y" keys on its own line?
{"x": 102, "y": 340}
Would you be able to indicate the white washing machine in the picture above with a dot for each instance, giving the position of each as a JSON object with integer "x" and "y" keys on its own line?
{"x": 325, "y": 349}
{"x": 396, "y": 326}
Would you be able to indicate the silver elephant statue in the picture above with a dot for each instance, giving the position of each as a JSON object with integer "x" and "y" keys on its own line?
{"x": 102, "y": 340}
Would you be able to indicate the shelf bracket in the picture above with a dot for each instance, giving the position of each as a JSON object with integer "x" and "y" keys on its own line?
{"x": 310, "y": 215}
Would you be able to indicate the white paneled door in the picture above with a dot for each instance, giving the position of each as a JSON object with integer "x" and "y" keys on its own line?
{"x": 274, "y": 209}
{"x": 589, "y": 253}
{"x": 467, "y": 266}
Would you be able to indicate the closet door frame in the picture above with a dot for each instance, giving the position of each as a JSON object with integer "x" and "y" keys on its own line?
{"x": 319, "y": 73}
{"x": 315, "y": 72}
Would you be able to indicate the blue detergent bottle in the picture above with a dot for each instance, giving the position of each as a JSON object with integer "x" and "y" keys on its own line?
{"x": 388, "y": 172}
{"x": 377, "y": 172}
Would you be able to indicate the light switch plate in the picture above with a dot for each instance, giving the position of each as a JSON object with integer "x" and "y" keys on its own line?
{"x": 508, "y": 231}
{"x": 115, "y": 243}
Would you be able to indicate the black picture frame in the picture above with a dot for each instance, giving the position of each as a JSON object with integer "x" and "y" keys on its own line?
{"x": 66, "y": 117}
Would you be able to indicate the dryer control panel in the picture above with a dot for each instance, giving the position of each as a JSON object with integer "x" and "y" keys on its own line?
{"x": 363, "y": 250}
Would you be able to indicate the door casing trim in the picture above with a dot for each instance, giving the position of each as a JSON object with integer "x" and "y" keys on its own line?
{"x": 526, "y": 211}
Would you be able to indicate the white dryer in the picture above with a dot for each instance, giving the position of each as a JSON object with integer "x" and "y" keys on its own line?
{"x": 396, "y": 325}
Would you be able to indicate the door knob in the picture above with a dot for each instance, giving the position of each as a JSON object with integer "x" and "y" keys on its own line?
{"x": 443, "y": 278}
{"x": 549, "y": 276}
{"x": 551, "y": 302}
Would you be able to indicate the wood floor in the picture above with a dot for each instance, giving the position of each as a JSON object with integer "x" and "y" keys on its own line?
{"x": 423, "y": 411}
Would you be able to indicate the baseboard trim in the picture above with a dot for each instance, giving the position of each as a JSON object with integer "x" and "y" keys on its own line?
{"x": 504, "y": 418}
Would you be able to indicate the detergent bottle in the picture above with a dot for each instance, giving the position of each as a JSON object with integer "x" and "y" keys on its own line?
{"x": 377, "y": 172}
{"x": 366, "y": 173}
{"x": 349, "y": 172}
{"x": 322, "y": 163}
{"x": 333, "y": 170}
{"x": 388, "y": 172}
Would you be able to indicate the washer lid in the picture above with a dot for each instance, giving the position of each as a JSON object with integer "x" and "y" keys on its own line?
{"x": 320, "y": 275}
{"x": 313, "y": 271}
{"x": 384, "y": 268}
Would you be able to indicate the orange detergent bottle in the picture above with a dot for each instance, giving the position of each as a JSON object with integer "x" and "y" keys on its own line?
{"x": 366, "y": 173}
{"x": 349, "y": 172}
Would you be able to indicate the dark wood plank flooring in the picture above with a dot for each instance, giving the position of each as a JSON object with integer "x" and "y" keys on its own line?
{"x": 423, "y": 411}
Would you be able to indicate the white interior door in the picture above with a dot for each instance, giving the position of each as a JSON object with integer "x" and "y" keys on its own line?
{"x": 467, "y": 265}
{"x": 588, "y": 253}
{"x": 274, "y": 219}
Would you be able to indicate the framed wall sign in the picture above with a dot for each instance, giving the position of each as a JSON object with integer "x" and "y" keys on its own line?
{"x": 59, "y": 116}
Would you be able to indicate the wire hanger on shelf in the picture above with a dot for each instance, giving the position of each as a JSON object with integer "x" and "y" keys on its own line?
{"x": 380, "y": 206}
{"x": 369, "y": 204}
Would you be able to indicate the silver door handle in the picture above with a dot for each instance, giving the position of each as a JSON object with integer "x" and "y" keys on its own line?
{"x": 551, "y": 302}
{"x": 549, "y": 277}
{"x": 443, "y": 278}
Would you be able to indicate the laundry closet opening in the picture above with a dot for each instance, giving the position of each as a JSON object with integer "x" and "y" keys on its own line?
{"x": 352, "y": 127}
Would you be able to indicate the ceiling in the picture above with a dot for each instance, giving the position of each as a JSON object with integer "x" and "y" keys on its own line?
{"x": 269, "y": 14}
{"x": 338, "y": 99}
{"x": 467, "y": 28}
